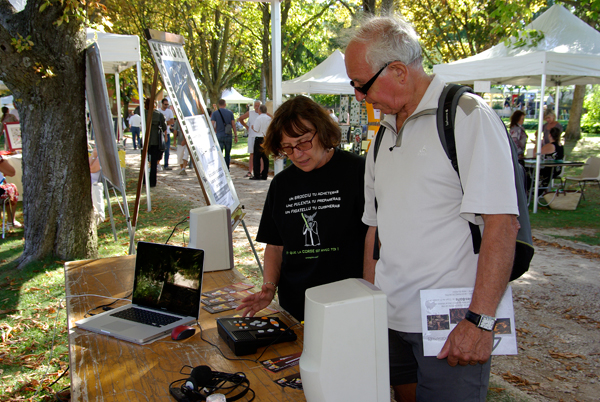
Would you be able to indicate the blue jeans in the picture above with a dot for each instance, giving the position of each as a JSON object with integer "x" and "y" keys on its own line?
{"x": 166, "y": 160}
{"x": 226, "y": 142}
{"x": 135, "y": 133}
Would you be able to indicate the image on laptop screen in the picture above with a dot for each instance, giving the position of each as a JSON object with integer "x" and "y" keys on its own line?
{"x": 168, "y": 278}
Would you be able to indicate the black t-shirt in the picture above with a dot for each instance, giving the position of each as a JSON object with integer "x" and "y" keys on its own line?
{"x": 316, "y": 217}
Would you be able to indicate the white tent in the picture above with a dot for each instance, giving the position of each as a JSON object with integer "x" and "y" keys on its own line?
{"x": 569, "y": 54}
{"x": 329, "y": 77}
{"x": 3, "y": 87}
{"x": 231, "y": 95}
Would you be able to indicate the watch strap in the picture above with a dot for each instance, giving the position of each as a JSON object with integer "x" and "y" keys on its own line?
{"x": 482, "y": 321}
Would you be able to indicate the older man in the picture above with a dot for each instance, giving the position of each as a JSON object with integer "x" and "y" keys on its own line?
{"x": 251, "y": 115}
{"x": 423, "y": 210}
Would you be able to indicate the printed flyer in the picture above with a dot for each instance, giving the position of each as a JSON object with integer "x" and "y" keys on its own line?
{"x": 443, "y": 309}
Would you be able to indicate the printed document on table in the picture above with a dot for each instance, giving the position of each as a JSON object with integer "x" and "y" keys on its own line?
{"x": 443, "y": 309}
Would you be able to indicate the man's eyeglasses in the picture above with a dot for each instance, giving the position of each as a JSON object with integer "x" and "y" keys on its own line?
{"x": 365, "y": 88}
{"x": 301, "y": 146}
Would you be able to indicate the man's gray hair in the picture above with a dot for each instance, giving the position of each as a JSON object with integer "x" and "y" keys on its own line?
{"x": 263, "y": 108}
{"x": 388, "y": 39}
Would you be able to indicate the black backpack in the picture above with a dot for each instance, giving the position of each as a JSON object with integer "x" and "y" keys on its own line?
{"x": 445, "y": 115}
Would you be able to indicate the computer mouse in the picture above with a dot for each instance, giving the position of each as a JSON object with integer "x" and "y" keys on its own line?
{"x": 182, "y": 332}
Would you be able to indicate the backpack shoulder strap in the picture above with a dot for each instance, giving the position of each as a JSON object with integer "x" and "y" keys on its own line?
{"x": 445, "y": 119}
{"x": 378, "y": 138}
{"x": 446, "y": 115}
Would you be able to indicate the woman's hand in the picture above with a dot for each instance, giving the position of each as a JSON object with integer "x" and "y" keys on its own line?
{"x": 258, "y": 301}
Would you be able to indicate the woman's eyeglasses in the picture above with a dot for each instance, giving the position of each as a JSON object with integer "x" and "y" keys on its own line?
{"x": 301, "y": 146}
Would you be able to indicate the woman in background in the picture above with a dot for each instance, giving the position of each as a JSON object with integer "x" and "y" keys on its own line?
{"x": 517, "y": 132}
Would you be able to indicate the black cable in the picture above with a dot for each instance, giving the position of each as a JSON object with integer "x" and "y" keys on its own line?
{"x": 105, "y": 305}
{"x": 221, "y": 380}
{"x": 183, "y": 220}
{"x": 59, "y": 377}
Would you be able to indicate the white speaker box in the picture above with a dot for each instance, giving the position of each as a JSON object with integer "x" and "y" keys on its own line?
{"x": 210, "y": 230}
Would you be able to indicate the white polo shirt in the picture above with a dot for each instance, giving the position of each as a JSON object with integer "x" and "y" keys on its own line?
{"x": 426, "y": 240}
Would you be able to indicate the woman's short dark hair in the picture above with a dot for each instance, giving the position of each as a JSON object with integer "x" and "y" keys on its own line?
{"x": 287, "y": 122}
{"x": 555, "y": 133}
{"x": 516, "y": 116}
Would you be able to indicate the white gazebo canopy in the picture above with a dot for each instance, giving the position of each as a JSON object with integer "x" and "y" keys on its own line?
{"x": 231, "y": 95}
{"x": 569, "y": 54}
{"x": 329, "y": 77}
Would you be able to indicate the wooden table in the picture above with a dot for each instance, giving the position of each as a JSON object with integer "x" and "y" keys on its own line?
{"x": 107, "y": 369}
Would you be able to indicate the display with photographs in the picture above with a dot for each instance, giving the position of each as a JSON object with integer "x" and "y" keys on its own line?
{"x": 443, "y": 309}
{"x": 12, "y": 132}
{"x": 194, "y": 120}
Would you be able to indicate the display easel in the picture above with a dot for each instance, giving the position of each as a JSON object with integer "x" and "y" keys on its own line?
{"x": 201, "y": 140}
{"x": 97, "y": 97}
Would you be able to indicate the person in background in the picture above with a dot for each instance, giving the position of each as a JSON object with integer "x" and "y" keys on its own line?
{"x": 421, "y": 209}
{"x": 8, "y": 117}
{"x": 261, "y": 159}
{"x": 517, "y": 132}
{"x": 220, "y": 119}
{"x": 333, "y": 116}
{"x": 251, "y": 115}
{"x": 182, "y": 151}
{"x": 550, "y": 119}
{"x": 170, "y": 120}
{"x": 552, "y": 150}
{"x": 8, "y": 191}
{"x": 311, "y": 218}
{"x": 158, "y": 120}
{"x": 135, "y": 126}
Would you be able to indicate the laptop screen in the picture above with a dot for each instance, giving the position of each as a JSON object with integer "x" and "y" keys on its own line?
{"x": 168, "y": 278}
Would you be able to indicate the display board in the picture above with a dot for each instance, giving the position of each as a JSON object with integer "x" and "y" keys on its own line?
{"x": 13, "y": 136}
{"x": 97, "y": 97}
{"x": 178, "y": 78}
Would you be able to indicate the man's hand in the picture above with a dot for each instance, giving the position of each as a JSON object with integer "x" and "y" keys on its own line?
{"x": 256, "y": 302}
{"x": 467, "y": 344}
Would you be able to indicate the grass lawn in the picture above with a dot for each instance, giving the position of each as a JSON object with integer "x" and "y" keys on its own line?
{"x": 32, "y": 315}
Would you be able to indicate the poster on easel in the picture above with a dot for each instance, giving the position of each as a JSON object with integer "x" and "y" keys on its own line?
{"x": 190, "y": 109}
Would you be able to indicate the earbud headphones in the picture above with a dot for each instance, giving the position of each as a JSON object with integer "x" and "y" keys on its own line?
{"x": 203, "y": 382}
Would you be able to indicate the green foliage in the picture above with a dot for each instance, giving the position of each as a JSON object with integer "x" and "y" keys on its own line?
{"x": 590, "y": 122}
{"x": 526, "y": 38}
{"x": 21, "y": 44}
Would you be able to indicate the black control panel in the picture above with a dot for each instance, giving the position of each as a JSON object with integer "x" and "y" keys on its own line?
{"x": 244, "y": 335}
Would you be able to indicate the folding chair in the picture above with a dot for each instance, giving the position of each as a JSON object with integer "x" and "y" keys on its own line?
{"x": 590, "y": 174}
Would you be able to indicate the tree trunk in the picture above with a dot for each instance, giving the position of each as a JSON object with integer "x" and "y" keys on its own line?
{"x": 573, "y": 131}
{"x": 48, "y": 82}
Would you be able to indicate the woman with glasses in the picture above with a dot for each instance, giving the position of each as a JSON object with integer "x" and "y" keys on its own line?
{"x": 311, "y": 220}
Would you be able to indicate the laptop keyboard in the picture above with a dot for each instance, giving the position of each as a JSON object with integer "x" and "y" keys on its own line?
{"x": 146, "y": 317}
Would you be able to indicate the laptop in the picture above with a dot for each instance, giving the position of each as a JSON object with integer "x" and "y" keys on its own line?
{"x": 166, "y": 294}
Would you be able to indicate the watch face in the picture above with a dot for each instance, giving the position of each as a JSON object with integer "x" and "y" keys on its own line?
{"x": 487, "y": 322}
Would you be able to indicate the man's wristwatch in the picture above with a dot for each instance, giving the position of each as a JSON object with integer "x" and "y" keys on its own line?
{"x": 482, "y": 321}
